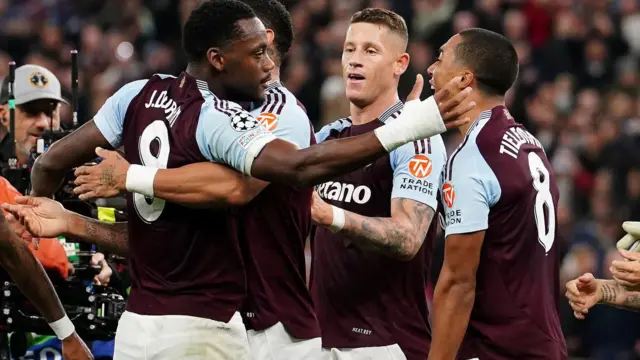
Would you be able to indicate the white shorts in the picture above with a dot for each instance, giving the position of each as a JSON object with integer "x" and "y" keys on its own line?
{"x": 391, "y": 352}
{"x": 275, "y": 343}
{"x": 171, "y": 337}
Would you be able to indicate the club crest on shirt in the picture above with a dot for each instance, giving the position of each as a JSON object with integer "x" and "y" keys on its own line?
{"x": 420, "y": 166}
{"x": 243, "y": 121}
{"x": 268, "y": 120}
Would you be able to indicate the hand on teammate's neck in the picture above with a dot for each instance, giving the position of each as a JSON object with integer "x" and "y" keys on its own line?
{"x": 483, "y": 103}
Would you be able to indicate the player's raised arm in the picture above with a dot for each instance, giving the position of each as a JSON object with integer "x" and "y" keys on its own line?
{"x": 413, "y": 205}
{"x": 280, "y": 161}
{"x": 77, "y": 148}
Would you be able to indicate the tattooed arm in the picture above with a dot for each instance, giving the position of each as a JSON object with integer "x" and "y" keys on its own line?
{"x": 399, "y": 236}
{"x": 111, "y": 237}
{"x": 614, "y": 294}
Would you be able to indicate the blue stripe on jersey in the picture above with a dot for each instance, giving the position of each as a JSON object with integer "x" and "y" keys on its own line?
{"x": 485, "y": 115}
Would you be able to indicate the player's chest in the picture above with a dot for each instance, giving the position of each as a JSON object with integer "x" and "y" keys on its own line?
{"x": 366, "y": 191}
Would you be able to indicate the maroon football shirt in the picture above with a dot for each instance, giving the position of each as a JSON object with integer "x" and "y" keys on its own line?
{"x": 273, "y": 228}
{"x": 499, "y": 180}
{"x": 363, "y": 298}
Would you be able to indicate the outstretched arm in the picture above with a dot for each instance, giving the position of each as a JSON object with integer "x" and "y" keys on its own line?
{"x": 111, "y": 237}
{"x": 399, "y": 236}
{"x": 280, "y": 162}
{"x": 200, "y": 185}
{"x": 44, "y": 217}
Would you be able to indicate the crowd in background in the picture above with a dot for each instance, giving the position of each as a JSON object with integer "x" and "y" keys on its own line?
{"x": 577, "y": 92}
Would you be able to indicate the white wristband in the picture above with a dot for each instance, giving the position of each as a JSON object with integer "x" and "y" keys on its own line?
{"x": 338, "y": 219}
{"x": 418, "y": 120}
{"x": 140, "y": 179}
{"x": 63, "y": 327}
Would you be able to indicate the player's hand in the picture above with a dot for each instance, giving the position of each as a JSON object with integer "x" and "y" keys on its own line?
{"x": 453, "y": 104}
{"x": 20, "y": 230}
{"x": 104, "y": 276}
{"x": 73, "y": 348}
{"x": 42, "y": 217}
{"x": 321, "y": 212}
{"x": 105, "y": 180}
{"x": 583, "y": 293}
{"x": 627, "y": 272}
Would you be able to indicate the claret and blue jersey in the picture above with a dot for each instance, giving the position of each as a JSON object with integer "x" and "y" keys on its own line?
{"x": 499, "y": 181}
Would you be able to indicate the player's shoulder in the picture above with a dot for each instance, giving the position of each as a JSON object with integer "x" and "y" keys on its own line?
{"x": 333, "y": 129}
{"x": 281, "y": 108}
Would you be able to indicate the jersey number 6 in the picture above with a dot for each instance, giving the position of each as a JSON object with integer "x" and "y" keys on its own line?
{"x": 149, "y": 210}
{"x": 540, "y": 174}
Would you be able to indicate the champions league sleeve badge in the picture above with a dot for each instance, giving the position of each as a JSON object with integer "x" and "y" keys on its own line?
{"x": 242, "y": 121}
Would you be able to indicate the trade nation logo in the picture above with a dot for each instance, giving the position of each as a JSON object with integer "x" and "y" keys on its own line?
{"x": 420, "y": 166}
{"x": 268, "y": 120}
{"x": 448, "y": 195}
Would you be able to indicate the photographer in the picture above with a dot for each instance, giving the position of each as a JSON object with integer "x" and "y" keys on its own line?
{"x": 38, "y": 97}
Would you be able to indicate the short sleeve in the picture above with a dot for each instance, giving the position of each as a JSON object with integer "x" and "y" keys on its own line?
{"x": 231, "y": 136}
{"x": 291, "y": 124}
{"x": 110, "y": 117}
{"x": 417, "y": 170}
{"x": 469, "y": 194}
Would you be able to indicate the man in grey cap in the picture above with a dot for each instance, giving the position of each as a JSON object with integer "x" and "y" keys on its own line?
{"x": 38, "y": 95}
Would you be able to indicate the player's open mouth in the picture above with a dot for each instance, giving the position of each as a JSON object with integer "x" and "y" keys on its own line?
{"x": 431, "y": 83}
{"x": 354, "y": 78}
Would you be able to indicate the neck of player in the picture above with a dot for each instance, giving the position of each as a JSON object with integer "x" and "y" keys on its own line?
{"x": 483, "y": 103}
{"x": 365, "y": 114}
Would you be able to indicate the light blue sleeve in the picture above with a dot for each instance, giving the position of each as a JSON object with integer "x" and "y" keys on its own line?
{"x": 337, "y": 125}
{"x": 291, "y": 125}
{"x": 230, "y": 136}
{"x": 417, "y": 172}
{"x": 470, "y": 193}
{"x": 110, "y": 117}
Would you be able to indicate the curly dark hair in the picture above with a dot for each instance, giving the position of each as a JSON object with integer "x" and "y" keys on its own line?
{"x": 274, "y": 16}
{"x": 214, "y": 23}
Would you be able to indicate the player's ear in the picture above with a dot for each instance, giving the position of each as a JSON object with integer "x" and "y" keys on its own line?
{"x": 402, "y": 64}
{"x": 216, "y": 58}
{"x": 270, "y": 36}
{"x": 467, "y": 79}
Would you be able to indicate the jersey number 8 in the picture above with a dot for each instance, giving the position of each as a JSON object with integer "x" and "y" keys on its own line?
{"x": 156, "y": 131}
{"x": 540, "y": 174}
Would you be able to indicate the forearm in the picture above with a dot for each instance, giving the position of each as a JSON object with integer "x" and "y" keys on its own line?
{"x": 279, "y": 163}
{"x": 205, "y": 185}
{"x": 111, "y": 237}
{"x": 28, "y": 274}
{"x": 452, "y": 304}
{"x": 614, "y": 294}
{"x": 382, "y": 235}
{"x": 73, "y": 150}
